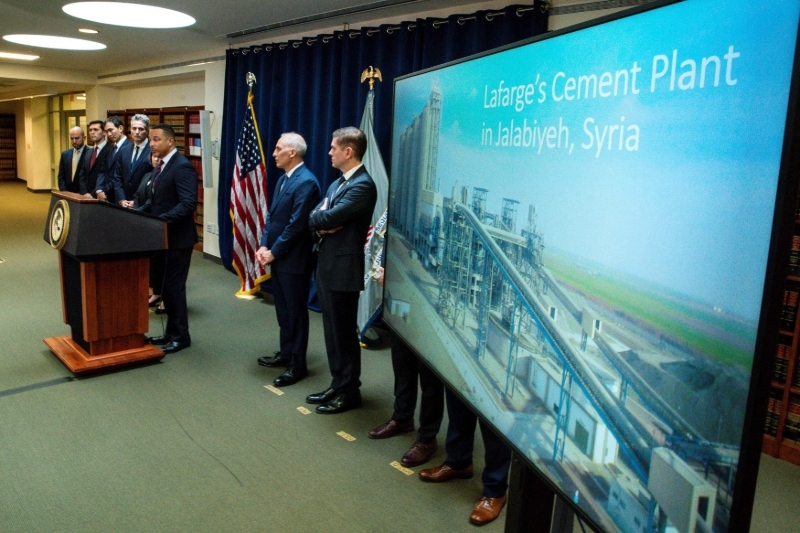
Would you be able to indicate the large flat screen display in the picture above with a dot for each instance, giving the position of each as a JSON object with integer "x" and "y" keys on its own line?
{"x": 578, "y": 240}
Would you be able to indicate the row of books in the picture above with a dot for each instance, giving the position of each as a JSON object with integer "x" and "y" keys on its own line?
{"x": 773, "y": 412}
{"x": 790, "y": 301}
{"x": 8, "y": 152}
{"x": 791, "y": 429}
{"x": 198, "y": 166}
{"x": 7, "y": 132}
{"x": 794, "y": 253}
{"x": 8, "y": 143}
{"x": 8, "y": 174}
{"x": 195, "y": 147}
{"x": 176, "y": 121}
{"x": 199, "y": 191}
{"x": 8, "y": 163}
{"x": 194, "y": 123}
{"x": 8, "y": 122}
{"x": 782, "y": 356}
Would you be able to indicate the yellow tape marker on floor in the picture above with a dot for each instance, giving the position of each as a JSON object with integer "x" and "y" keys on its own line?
{"x": 401, "y": 468}
{"x": 346, "y": 436}
{"x": 304, "y": 410}
{"x": 273, "y": 389}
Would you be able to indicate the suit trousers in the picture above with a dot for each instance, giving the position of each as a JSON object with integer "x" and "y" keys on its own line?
{"x": 291, "y": 307}
{"x": 174, "y": 293}
{"x": 339, "y": 321}
{"x": 460, "y": 442}
{"x": 407, "y": 370}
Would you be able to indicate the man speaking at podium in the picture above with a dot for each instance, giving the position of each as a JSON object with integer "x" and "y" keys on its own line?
{"x": 174, "y": 200}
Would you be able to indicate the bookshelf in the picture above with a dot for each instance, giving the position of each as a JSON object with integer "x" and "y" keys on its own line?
{"x": 782, "y": 428}
{"x": 8, "y": 147}
{"x": 186, "y": 123}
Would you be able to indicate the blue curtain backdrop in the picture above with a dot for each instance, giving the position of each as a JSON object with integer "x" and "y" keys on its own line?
{"x": 312, "y": 86}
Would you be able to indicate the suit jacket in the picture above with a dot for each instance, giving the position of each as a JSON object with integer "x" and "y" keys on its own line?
{"x": 105, "y": 181}
{"x": 66, "y": 181}
{"x": 340, "y": 260}
{"x": 91, "y": 177}
{"x": 125, "y": 175}
{"x": 286, "y": 232}
{"x": 174, "y": 200}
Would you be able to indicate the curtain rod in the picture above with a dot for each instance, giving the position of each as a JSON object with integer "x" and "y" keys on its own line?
{"x": 391, "y": 29}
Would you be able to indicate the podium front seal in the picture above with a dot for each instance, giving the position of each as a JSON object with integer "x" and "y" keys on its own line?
{"x": 59, "y": 224}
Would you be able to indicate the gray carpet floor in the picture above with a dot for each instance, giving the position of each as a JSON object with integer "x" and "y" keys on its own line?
{"x": 196, "y": 442}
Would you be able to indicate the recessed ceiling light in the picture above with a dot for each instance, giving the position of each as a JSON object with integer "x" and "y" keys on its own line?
{"x": 51, "y": 41}
{"x": 26, "y": 57}
{"x": 131, "y": 15}
{"x": 87, "y": 30}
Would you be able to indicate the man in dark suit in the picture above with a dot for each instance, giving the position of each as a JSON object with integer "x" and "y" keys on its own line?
{"x": 341, "y": 222}
{"x": 70, "y": 167}
{"x": 115, "y": 135}
{"x": 286, "y": 246}
{"x": 132, "y": 162}
{"x": 174, "y": 200}
{"x": 458, "y": 465}
{"x": 95, "y": 161}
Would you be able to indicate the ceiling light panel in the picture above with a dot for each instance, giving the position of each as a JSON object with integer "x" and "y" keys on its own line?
{"x": 26, "y": 57}
{"x": 52, "y": 41}
{"x": 130, "y": 15}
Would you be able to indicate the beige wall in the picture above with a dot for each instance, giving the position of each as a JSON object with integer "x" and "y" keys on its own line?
{"x": 37, "y": 168}
{"x": 163, "y": 94}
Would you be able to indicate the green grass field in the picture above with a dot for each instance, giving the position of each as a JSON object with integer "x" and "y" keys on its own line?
{"x": 661, "y": 312}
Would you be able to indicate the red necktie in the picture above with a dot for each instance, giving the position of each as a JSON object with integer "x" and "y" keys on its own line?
{"x": 94, "y": 157}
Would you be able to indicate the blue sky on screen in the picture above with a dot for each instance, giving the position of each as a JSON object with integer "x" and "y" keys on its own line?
{"x": 689, "y": 208}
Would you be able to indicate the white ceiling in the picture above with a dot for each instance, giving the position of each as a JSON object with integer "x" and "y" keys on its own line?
{"x": 133, "y": 48}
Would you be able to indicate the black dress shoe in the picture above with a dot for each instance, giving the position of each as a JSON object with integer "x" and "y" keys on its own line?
{"x": 274, "y": 361}
{"x": 321, "y": 397}
{"x": 173, "y": 346}
{"x": 339, "y": 404}
{"x": 161, "y": 339}
{"x": 290, "y": 377}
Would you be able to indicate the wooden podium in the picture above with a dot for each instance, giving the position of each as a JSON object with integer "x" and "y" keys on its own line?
{"x": 104, "y": 260}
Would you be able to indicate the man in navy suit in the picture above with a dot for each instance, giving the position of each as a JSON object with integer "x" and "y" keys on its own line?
{"x": 95, "y": 161}
{"x": 115, "y": 135}
{"x": 286, "y": 246}
{"x": 70, "y": 167}
{"x": 174, "y": 200}
{"x": 132, "y": 162}
{"x": 341, "y": 222}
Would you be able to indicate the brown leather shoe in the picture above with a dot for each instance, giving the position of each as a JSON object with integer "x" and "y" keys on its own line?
{"x": 419, "y": 453}
{"x": 390, "y": 429}
{"x": 442, "y": 473}
{"x": 486, "y": 510}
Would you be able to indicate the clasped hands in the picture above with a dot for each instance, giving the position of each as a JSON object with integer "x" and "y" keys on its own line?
{"x": 264, "y": 256}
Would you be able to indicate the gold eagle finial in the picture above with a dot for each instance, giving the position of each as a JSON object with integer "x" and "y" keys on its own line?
{"x": 371, "y": 74}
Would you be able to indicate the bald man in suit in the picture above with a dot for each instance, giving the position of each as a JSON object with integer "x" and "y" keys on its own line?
{"x": 71, "y": 165}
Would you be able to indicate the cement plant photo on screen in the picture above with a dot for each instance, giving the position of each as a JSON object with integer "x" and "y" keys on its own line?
{"x": 578, "y": 238}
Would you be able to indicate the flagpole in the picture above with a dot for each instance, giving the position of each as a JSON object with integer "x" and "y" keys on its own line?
{"x": 248, "y": 200}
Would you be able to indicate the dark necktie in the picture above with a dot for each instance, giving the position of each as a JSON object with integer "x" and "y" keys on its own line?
{"x": 285, "y": 178}
{"x": 156, "y": 173}
{"x": 135, "y": 155}
{"x": 94, "y": 158}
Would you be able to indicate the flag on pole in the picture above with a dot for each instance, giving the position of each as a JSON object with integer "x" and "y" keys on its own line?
{"x": 248, "y": 205}
{"x": 371, "y": 300}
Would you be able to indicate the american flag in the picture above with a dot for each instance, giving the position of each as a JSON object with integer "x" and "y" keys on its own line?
{"x": 248, "y": 206}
